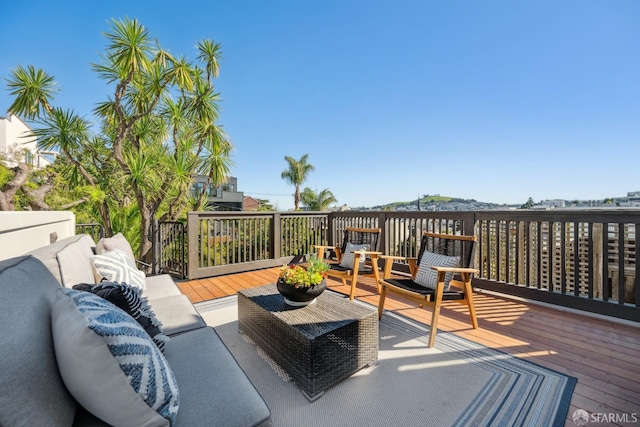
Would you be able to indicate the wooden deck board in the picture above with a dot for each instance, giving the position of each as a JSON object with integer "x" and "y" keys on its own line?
{"x": 601, "y": 353}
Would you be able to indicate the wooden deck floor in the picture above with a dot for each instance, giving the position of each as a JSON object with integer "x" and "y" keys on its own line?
{"x": 602, "y": 354}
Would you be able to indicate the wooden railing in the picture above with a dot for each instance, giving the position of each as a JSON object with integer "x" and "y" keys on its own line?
{"x": 584, "y": 259}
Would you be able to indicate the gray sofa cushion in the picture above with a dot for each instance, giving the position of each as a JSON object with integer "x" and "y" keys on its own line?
{"x": 108, "y": 244}
{"x": 214, "y": 390}
{"x": 177, "y": 314}
{"x": 31, "y": 390}
{"x": 48, "y": 254}
{"x": 74, "y": 262}
{"x": 160, "y": 286}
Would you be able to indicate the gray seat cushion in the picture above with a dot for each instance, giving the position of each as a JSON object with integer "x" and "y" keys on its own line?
{"x": 214, "y": 390}
{"x": 32, "y": 392}
{"x": 160, "y": 286}
{"x": 177, "y": 314}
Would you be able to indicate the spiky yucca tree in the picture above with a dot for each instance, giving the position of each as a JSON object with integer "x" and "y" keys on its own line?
{"x": 157, "y": 130}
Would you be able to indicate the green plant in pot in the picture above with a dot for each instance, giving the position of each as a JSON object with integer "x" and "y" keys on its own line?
{"x": 300, "y": 285}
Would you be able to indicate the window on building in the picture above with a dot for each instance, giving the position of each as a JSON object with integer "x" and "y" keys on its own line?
{"x": 28, "y": 158}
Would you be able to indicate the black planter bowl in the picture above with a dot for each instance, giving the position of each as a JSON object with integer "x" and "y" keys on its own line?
{"x": 302, "y": 296}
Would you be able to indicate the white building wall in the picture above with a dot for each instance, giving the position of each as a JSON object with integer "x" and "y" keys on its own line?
{"x": 12, "y": 134}
{"x": 24, "y": 231}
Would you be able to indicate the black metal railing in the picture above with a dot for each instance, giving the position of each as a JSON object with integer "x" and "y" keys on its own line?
{"x": 172, "y": 249}
{"x": 95, "y": 230}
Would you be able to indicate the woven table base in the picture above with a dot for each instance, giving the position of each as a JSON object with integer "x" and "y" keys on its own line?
{"x": 317, "y": 345}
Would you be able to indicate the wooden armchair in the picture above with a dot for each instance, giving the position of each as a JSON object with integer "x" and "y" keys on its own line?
{"x": 432, "y": 276}
{"x": 359, "y": 248}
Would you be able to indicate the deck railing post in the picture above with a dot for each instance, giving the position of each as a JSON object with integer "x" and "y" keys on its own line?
{"x": 193, "y": 244}
{"x": 331, "y": 229}
{"x": 276, "y": 235}
{"x": 155, "y": 246}
{"x": 382, "y": 225}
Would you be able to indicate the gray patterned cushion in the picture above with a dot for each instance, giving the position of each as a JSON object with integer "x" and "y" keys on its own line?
{"x": 116, "y": 266}
{"x": 428, "y": 277}
{"x": 109, "y": 363}
{"x": 348, "y": 257}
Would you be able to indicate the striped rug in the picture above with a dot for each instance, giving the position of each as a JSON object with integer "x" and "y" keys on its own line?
{"x": 456, "y": 383}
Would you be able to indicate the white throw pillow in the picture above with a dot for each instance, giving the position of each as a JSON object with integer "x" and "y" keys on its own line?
{"x": 348, "y": 257}
{"x": 110, "y": 364}
{"x": 428, "y": 277}
{"x": 116, "y": 266}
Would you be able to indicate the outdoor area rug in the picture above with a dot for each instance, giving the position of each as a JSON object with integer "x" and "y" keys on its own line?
{"x": 456, "y": 383}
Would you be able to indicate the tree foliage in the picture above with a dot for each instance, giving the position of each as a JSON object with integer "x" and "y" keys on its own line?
{"x": 157, "y": 130}
{"x": 528, "y": 205}
{"x": 317, "y": 201}
{"x": 296, "y": 174}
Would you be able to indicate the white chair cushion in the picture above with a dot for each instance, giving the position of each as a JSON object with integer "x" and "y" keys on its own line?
{"x": 428, "y": 277}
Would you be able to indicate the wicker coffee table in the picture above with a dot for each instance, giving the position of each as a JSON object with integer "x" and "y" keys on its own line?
{"x": 317, "y": 345}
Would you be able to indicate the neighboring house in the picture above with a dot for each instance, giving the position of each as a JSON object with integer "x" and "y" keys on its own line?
{"x": 250, "y": 204}
{"x": 12, "y": 139}
{"x": 553, "y": 203}
{"x": 224, "y": 197}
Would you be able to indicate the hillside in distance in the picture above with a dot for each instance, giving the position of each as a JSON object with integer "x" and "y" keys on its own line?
{"x": 442, "y": 203}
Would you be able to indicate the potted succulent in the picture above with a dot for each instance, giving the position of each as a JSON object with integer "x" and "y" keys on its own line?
{"x": 300, "y": 285}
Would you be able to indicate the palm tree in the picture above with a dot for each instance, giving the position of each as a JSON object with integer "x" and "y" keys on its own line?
{"x": 296, "y": 175}
{"x": 318, "y": 201}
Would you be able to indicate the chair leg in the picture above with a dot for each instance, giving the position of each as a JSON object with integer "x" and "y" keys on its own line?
{"x": 354, "y": 281}
{"x": 383, "y": 296}
{"x": 376, "y": 273}
{"x": 352, "y": 294}
{"x": 468, "y": 293}
{"x": 435, "y": 316}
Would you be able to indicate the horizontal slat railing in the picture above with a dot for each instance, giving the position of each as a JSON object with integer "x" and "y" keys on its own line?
{"x": 584, "y": 259}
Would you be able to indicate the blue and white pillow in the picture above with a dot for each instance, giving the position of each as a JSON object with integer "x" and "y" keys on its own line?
{"x": 116, "y": 266}
{"x": 110, "y": 364}
{"x": 348, "y": 258}
{"x": 428, "y": 277}
{"x": 131, "y": 301}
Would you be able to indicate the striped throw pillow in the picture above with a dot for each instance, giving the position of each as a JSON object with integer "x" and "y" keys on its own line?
{"x": 116, "y": 266}
{"x": 428, "y": 277}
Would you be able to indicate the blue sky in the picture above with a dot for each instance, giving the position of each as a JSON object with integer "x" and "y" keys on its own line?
{"x": 490, "y": 100}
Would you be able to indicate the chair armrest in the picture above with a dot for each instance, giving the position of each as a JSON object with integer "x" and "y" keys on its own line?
{"x": 388, "y": 262}
{"x": 323, "y": 247}
{"x": 397, "y": 257}
{"x": 367, "y": 252}
{"x": 455, "y": 269}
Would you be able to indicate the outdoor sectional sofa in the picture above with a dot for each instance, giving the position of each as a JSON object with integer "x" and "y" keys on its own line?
{"x": 213, "y": 389}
